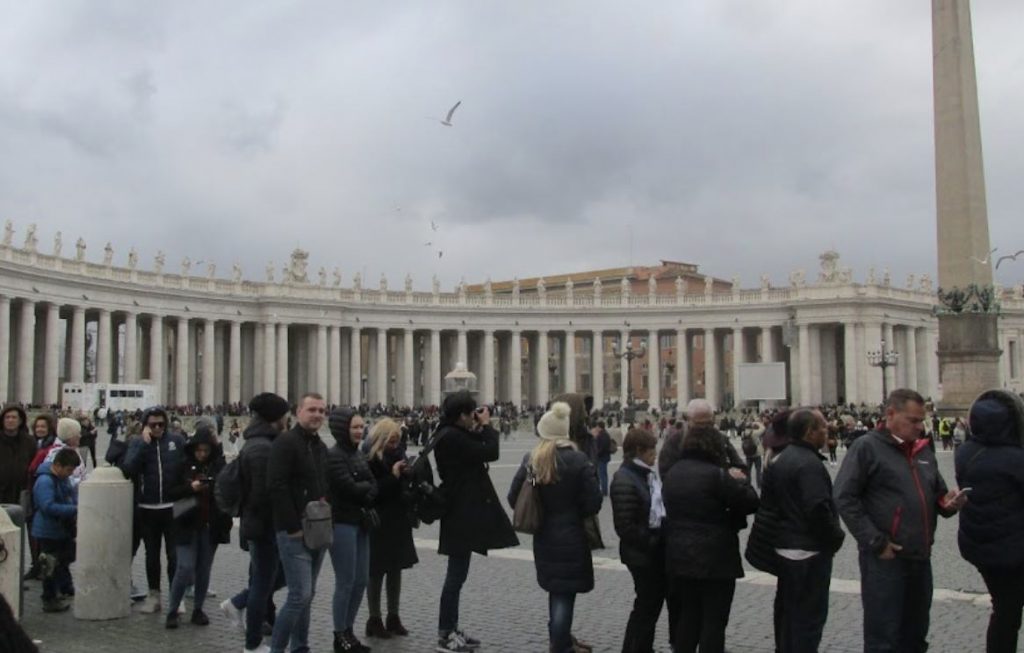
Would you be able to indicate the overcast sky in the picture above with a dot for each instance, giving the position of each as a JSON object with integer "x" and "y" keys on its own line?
{"x": 742, "y": 135}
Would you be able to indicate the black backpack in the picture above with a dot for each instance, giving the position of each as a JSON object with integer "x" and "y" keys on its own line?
{"x": 227, "y": 491}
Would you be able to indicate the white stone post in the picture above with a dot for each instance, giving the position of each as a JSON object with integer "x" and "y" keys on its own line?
{"x": 5, "y": 346}
{"x": 282, "y": 360}
{"x": 207, "y": 397}
{"x": 156, "y": 353}
{"x": 131, "y": 348}
{"x": 334, "y": 373}
{"x": 104, "y": 343}
{"x": 597, "y": 365}
{"x": 10, "y": 570}
{"x": 487, "y": 366}
{"x": 682, "y": 368}
{"x": 235, "y": 363}
{"x": 181, "y": 362}
{"x": 355, "y": 383}
{"x": 515, "y": 368}
{"x": 51, "y": 354}
{"x": 269, "y": 357}
{"x": 103, "y": 569}
{"x": 805, "y": 364}
{"x": 382, "y": 366}
{"x": 569, "y": 373}
{"x": 544, "y": 375}
{"x": 711, "y": 389}
{"x": 653, "y": 369}
{"x": 409, "y": 368}
{"x": 26, "y": 352}
{"x": 321, "y": 360}
{"x": 739, "y": 356}
{"x": 851, "y": 362}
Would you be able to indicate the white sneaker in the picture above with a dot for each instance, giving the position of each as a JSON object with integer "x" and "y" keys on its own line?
{"x": 235, "y": 616}
{"x": 151, "y": 604}
{"x": 453, "y": 643}
{"x": 262, "y": 648}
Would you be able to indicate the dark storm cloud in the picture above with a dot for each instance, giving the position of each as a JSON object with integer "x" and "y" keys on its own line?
{"x": 746, "y": 137}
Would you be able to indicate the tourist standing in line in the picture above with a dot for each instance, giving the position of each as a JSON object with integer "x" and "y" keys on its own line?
{"x": 889, "y": 491}
{"x": 155, "y": 461}
{"x": 353, "y": 491}
{"x": 391, "y": 545}
{"x": 269, "y": 418}
{"x": 54, "y": 528}
{"x": 705, "y": 507}
{"x": 699, "y": 414}
{"x": 296, "y": 475}
{"x": 639, "y": 512}
{"x": 474, "y": 521}
{"x": 566, "y": 483}
{"x": 89, "y": 437}
{"x": 44, "y": 428}
{"x": 991, "y": 535}
{"x": 603, "y": 455}
{"x": 798, "y": 489}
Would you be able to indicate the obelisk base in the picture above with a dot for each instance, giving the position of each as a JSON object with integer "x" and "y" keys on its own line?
{"x": 968, "y": 359}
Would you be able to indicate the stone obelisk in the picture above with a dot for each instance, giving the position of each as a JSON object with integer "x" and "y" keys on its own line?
{"x": 968, "y": 342}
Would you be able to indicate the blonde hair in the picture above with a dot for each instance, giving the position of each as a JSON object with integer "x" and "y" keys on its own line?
{"x": 380, "y": 434}
{"x": 544, "y": 460}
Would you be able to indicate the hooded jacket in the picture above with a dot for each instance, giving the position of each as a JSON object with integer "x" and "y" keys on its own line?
{"x": 55, "y": 507}
{"x": 16, "y": 453}
{"x": 156, "y": 466}
{"x": 991, "y": 462}
{"x": 352, "y": 485}
{"x": 257, "y": 521}
{"x": 890, "y": 491}
{"x": 205, "y": 512}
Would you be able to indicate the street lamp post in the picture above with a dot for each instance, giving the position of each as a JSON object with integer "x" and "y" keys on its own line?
{"x": 552, "y": 368}
{"x": 884, "y": 358}
{"x": 628, "y": 354}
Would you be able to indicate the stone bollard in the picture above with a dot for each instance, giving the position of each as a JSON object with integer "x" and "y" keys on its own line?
{"x": 103, "y": 571}
{"x": 10, "y": 561}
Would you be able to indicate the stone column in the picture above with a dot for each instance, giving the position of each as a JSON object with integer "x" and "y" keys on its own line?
{"x": 409, "y": 368}
{"x": 26, "y": 353}
{"x": 355, "y": 375}
{"x": 569, "y": 373}
{"x": 235, "y": 363}
{"x": 382, "y": 366}
{"x": 104, "y": 342}
{"x": 207, "y": 397}
{"x": 282, "y": 360}
{"x": 156, "y": 354}
{"x": 51, "y": 359}
{"x": 805, "y": 364}
{"x": 739, "y": 356}
{"x": 487, "y": 365}
{"x": 597, "y": 368}
{"x": 434, "y": 369}
{"x": 5, "y": 349}
{"x": 181, "y": 363}
{"x": 623, "y": 370}
{"x": 653, "y": 369}
{"x": 851, "y": 362}
{"x": 321, "y": 360}
{"x": 711, "y": 389}
{"x": 890, "y": 344}
{"x": 334, "y": 368}
{"x": 103, "y": 568}
{"x": 131, "y": 348}
{"x": 77, "y": 345}
{"x": 544, "y": 377}
{"x": 683, "y": 368}
{"x": 768, "y": 352}
{"x": 515, "y": 368}
{"x": 462, "y": 349}
{"x": 269, "y": 357}
{"x": 911, "y": 362}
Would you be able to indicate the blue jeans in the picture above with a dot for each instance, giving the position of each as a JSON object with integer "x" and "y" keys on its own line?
{"x": 560, "y": 610}
{"x": 602, "y": 476}
{"x": 803, "y": 603}
{"x": 257, "y": 598}
{"x": 195, "y": 560}
{"x": 350, "y": 557}
{"x": 458, "y": 572}
{"x": 897, "y": 598}
{"x": 301, "y": 567}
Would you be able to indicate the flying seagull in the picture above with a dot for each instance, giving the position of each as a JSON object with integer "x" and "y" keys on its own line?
{"x": 433, "y": 226}
{"x": 988, "y": 258}
{"x": 1008, "y": 258}
{"x": 428, "y": 244}
{"x": 447, "y": 122}
{"x": 440, "y": 254}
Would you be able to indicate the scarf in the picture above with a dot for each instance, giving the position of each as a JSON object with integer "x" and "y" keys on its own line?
{"x": 657, "y": 514}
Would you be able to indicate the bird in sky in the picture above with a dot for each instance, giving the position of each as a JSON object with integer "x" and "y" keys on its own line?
{"x": 428, "y": 244}
{"x": 433, "y": 226}
{"x": 1008, "y": 258}
{"x": 440, "y": 254}
{"x": 988, "y": 258}
{"x": 447, "y": 122}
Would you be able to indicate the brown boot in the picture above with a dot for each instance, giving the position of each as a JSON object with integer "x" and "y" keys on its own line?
{"x": 375, "y": 628}
{"x": 395, "y": 627}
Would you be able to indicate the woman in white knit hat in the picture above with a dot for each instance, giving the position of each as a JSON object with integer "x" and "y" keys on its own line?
{"x": 566, "y": 483}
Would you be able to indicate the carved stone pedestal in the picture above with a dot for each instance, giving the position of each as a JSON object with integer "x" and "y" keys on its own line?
{"x": 968, "y": 359}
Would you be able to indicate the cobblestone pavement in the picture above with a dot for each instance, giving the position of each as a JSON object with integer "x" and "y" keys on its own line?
{"x": 503, "y": 606}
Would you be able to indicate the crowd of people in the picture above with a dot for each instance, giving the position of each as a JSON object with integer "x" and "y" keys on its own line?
{"x": 679, "y": 500}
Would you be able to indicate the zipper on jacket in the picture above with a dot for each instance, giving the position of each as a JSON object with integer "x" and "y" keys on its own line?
{"x": 897, "y": 519}
{"x": 924, "y": 504}
{"x": 160, "y": 474}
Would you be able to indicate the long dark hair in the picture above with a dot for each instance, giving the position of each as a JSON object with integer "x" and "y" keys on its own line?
{"x": 705, "y": 443}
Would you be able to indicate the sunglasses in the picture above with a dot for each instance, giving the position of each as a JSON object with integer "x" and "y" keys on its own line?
{"x": 157, "y": 425}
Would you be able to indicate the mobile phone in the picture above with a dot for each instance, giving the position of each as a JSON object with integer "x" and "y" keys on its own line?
{"x": 965, "y": 490}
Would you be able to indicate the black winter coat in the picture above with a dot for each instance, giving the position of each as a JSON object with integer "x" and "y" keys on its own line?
{"x": 640, "y": 546}
{"x": 391, "y": 545}
{"x": 353, "y": 488}
{"x": 474, "y": 521}
{"x": 799, "y": 489}
{"x": 704, "y": 507}
{"x": 205, "y": 512}
{"x": 257, "y": 522}
{"x": 672, "y": 451}
{"x": 296, "y": 475}
{"x": 560, "y": 549}
{"x": 16, "y": 453}
{"x": 155, "y": 466}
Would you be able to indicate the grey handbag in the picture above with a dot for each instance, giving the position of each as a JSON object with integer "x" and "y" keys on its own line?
{"x": 317, "y": 525}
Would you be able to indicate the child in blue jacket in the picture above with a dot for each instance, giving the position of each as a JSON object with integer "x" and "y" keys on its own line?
{"x": 53, "y": 526}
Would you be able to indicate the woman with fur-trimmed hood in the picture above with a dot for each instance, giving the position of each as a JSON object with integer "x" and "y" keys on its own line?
{"x": 991, "y": 536}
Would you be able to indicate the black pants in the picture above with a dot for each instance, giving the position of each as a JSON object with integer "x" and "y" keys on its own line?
{"x": 897, "y": 600}
{"x": 1006, "y": 586}
{"x": 704, "y": 607}
{"x": 651, "y": 587}
{"x": 801, "y": 605}
{"x": 156, "y": 526}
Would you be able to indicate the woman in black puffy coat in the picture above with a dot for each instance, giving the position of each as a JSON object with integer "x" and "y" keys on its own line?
{"x": 352, "y": 492}
{"x": 635, "y": 489}
{"x": 566, "y": 482}
{"x": 391, "y": 545}
{"x": 705, "y": 508}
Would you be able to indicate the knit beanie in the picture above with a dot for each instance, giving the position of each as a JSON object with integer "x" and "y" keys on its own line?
{"x": 68, "y": 428}
{"x": 554, "y": 425}
{"x": 269, "y": 406}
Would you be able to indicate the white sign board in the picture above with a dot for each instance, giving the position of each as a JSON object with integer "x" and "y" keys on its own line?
{"x": 761, "y": 381}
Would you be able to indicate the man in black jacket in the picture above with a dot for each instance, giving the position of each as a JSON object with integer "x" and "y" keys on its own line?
{"x": 296, "y": 475}
{"x": 270, "y": 415}
{"x": 889, "y": 491}
{"x": 799, "y": 489}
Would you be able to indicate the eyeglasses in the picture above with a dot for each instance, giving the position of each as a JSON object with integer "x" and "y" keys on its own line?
{"x": 157, "y": 425}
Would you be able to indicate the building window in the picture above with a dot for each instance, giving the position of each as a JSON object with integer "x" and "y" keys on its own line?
{"x": 665, "y": 341}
